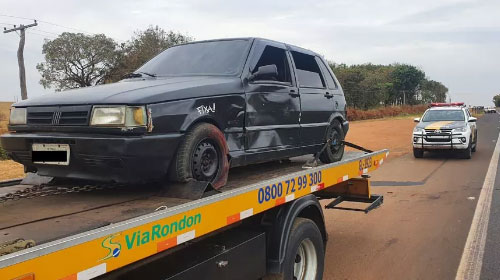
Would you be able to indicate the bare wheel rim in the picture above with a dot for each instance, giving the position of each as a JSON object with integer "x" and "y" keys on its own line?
{"x": 306, "y": 261}
{"x": 336, "y": 141}
{"x": 205, "y": 161}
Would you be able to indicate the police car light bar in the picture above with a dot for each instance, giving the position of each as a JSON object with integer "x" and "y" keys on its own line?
{"x": 434, "y": 104}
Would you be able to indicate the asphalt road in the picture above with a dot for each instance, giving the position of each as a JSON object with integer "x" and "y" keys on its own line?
{"x": 421, "y": 230}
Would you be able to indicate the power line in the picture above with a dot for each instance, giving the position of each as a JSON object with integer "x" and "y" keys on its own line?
{"x": 47, "y": 22}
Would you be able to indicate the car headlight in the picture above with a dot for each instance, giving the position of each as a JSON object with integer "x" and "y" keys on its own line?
{"x": 460, "y": 129}
{"x": 418, "y": 130}
{"x": 118, "y": 116}
{"x": 17, "y": 116}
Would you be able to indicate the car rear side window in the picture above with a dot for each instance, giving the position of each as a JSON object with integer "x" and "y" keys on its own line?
{"x": 328, "y": 76}
{"x": 277, "y": 56}
{"x": 308, "y": 72}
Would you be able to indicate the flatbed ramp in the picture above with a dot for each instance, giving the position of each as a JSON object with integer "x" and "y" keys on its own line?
{"x": 87, "y": 234}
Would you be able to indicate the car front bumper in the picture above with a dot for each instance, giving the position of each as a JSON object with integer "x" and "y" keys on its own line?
{"x": 453, "y": 141}
{"x": 122, "y": 159}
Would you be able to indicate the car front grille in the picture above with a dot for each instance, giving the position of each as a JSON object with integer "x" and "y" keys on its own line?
{"x": 444, "y": 130}
{"x": 59, "y": 116}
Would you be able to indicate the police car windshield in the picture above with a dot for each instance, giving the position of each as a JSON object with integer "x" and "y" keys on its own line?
{"x": 443, "y": 115}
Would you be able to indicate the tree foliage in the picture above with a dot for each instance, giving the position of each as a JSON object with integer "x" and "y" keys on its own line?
{"x": 77, "y": 60}
{"x": 496, "y": 100}
{"x": 368, "y": 85}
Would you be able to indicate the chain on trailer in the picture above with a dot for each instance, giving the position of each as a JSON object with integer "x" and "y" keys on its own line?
{"x": 52, "y": 189}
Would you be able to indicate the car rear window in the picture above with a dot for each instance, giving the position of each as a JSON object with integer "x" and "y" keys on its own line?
{"x": 308, "y": 72}
{"x": 203, "y": 58}
{"x": 443, "y": 115}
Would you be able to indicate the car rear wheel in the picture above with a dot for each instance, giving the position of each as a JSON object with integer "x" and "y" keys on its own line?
{"x": 418, "y": 153}
{"x": 202, "y": 156}
{"x": 335, "y": 150}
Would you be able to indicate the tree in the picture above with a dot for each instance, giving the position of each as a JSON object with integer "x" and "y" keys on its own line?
{"x": 143, "y": 46}
{"x": 75, "y": 60}
{"x": 406, "y": 79}
{"x": 496, "y": 100}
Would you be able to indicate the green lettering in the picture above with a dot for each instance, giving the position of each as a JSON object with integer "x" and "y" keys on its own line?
{"x": 182, "y": 223}
{"x": 130, "y": 243}
{"x": 172, "y": 225}
{"x": 138, "y": 238}
{"x": 190, "y": 221}
{"x": 197, "y": 219}
{"x": 155, "y": 232}
{"x": 145, "y": 237}
{"x": 164, "y": 230}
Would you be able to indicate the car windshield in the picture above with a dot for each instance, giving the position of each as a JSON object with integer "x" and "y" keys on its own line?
{"x": 444, "y": 115}
{"x": 204, "y": 58}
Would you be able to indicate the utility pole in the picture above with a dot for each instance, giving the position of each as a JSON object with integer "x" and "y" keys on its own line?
{"x": 20, "y": 55}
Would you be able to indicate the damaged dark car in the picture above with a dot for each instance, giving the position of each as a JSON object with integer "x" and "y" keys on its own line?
{"x": 192, "y": 112}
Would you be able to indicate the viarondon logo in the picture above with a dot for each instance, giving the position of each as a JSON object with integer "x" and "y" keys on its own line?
{"x": 114, "y": 248}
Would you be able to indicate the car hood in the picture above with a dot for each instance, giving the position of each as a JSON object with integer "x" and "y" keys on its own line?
{"x": 140, "y": 91}
{"x": 441, "y": 125}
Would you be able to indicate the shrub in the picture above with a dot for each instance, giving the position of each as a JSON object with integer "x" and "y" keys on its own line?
{"x": 3, "y": 154}
{"x": 384, "y": 112}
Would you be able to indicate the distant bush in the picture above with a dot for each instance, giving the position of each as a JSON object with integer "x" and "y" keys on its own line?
{"x": 384, "y": 112}
{"x": 3, "y": 154}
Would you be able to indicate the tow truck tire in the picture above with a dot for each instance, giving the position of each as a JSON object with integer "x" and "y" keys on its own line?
{"x": 418, "y": 153}
{"x": 305, "y": 253}
{"x": 201, "y": 156}
{"x": 335, "y": 151}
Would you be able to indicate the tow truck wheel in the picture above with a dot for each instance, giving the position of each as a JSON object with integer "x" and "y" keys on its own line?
{"x": 418, "y": 153}
{"x": 335, "y": 151}
{"x": 200, "y": 155}
{"x": 305, "y": 253}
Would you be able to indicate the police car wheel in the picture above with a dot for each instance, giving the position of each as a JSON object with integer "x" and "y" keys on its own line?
{"x": 418, "y": 153}
{"x": 475, "y": 143}
{"x": 467, "y": 153}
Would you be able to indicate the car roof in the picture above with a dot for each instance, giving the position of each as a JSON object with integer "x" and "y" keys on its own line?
{"x": 447, "y": 108}
{"x": 291, "y": 47}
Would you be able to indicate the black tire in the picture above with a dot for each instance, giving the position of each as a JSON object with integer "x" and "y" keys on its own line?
{"x": 418, "y": 153}
{"x": 304, "y": 234}
{"x": 475, "y": 143}
{"x": 467, "y": 153}
{"x": 335, "y": 151}
{"x": 202, "y": 155}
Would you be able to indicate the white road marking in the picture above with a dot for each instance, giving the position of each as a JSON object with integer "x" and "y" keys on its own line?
{"x": 472, "y": 257}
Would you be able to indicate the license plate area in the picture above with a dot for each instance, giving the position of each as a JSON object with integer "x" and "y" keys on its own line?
{"x": 57, "y": 154}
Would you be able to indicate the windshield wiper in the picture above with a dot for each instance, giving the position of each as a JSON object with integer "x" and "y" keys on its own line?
{"x": 138, "y": 75}
{"x": 147, "y": 74}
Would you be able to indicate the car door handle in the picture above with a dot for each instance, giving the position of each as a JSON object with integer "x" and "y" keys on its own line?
{"x": 328, "y": 95}
{"x": 293, "y": 93}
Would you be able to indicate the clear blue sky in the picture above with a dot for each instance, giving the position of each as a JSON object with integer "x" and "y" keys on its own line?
{"x": 454, "y": 42}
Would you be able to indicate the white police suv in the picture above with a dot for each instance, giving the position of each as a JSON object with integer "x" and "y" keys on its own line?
{"x": 445, "y": 126}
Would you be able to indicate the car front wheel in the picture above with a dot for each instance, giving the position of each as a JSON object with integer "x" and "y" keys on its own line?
{"x": 202, "y": 156}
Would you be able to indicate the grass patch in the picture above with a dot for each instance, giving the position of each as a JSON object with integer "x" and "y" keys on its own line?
{"x": 386, "y": 112}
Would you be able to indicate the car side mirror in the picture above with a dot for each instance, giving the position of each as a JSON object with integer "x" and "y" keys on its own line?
{"x": 266, "y": 72}
{"x": 472, "y": 119}
{"x": 416, "y": 120}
